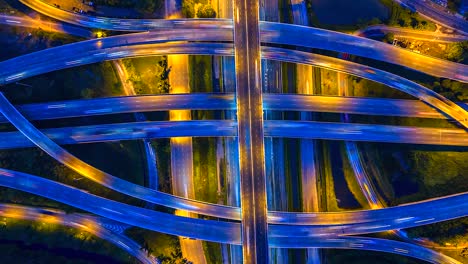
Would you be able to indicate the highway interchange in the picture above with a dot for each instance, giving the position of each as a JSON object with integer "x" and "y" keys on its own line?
{"x": 279, "y": 235}
{"x": 310, "y": 224}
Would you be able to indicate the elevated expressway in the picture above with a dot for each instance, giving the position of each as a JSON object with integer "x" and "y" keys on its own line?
{"x": 250, "y": 135}
{"x": 456, "y": 72}
{"x": 218, "y": 128}
{"x": 46, "y": 25}
{"x": 225, "y": 101}
{"x": 272, "y": 33}
{"x": 228, "y": 232}
{"x": 41, "y": 65}
{"x": 137, "y": 191}
{"x": 54, "y": 61}
{"x": 360, "y": 70}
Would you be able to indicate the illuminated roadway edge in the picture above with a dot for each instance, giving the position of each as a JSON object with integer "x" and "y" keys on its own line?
{"x": 44, "y": 61}
{"x": 465, "y": 120}
{"x": 456, "y": 208}
{"x": 88, "y": 223}
{"x": 278, "y": 33}
{"x": 225, "y": 101}
{"x": 228, "y": 128}
{"x": 295, "y": 56}
{"x": 224, "y": 232}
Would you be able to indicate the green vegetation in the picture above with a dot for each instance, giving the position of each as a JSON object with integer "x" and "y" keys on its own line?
{"x": 204, "y": 149}
{"x": 201, "y": 75}
{"x": 197, "y": 8}
{"x": 206, "y": 11}
{"x": 290, "y": 70}
{"x": 17, "y": 41}
{"x": 51, "y": 39}
{"x": 399, "y": 16}
{"x": 440, "y": 172}
{"x": 365, "y": 88}
{"x": 370, "y": 157}
{"x": 457, "y": 52}
{"x": 404, "y": 17}
{"x": 165, "y": 247}
{"x": 449, "y": 233}
{"x": 452, "y": 90}
{"x": 350, "y": 178}
{"x": 96, "y": 80}
{"x": 460, "y": 254}
{"x": 419, "y": 172}
{"x": 37, "y": 242}
{"x": 126, "y": 163}
{"x": 162, "y": 149}
{"x": 329, "y": 82}
{"x": 148, "y": 75}
{"x": 212, "y": 252}
{"x": 327, "y": 185}
{"x": 204, "y": 169}
{"x": 205, "y": 175}
{"x": 389, "y": 38}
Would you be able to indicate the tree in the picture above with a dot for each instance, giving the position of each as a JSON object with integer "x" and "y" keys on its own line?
{"x": 389, "y": 37}
{"x": 87, "y": 93}
{"x": 375, "y": 21}
{"x": 454, "y": 52}
{"x": 163, "y": 72}
{"x": 206, "y": 11}
{"x": 404, "y": 21}
{"x": 188, "y": 8}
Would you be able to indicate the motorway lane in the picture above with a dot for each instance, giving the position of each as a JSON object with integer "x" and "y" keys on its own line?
{"x": 88, "y": 223}
{"x": 250, "y": 131}
{"x": 308, "y": 154}
{"x": 97, "y": 175}
{"x": 216, "y": 231}
{"x": 294, "y": 56}
{"x": 112, "y": 182}
{"x": 228, "y": 232}
{"x": 288, "y": 34}
{"x": 318, "y": 224}
{"x": 277, "y": 196}
{"x": 182, "y": 148}
{"x": 231, "y": 150}
{"x": 424, "y": 94}
{"x": 143, "y": 193}
{"x": 45, "y": 25}
{"x": 182, "y": 152}
{"x": 219, "y": 128}
{"x": 376, "y": 244}
{"x": 221, "y": 101}
{"x": 354, "y": 156}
